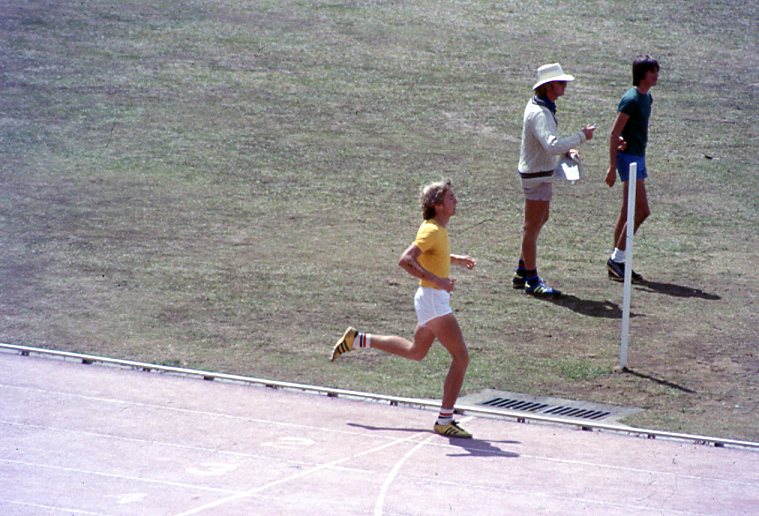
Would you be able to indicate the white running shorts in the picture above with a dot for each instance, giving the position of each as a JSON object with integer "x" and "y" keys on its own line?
{"x": 431, "y": 303}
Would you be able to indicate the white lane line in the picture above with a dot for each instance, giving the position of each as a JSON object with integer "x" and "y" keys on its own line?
{"x": 114, "y": 475}
{"x": 179, "y": 410}
{"x": 136, "y": 440}
{"x": 379, "y": 504}
{"x": 296, "y": 476}
{"x": 599, "y": 464}
{"x": 53, "y": 508}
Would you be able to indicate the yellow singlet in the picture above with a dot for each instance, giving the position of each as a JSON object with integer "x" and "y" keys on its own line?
{"x": 432, "y": 239}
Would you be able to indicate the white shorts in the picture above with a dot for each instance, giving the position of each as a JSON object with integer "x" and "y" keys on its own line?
{"x": 431, "y": 303}
{"x": 537, "y": 189}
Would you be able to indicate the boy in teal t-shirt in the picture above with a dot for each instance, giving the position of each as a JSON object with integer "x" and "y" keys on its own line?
{"x": 637, "y": 107}
{"x": 631, "y": 127}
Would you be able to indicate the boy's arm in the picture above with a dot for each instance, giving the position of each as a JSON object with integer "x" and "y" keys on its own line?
{"x": 463, "y": 261}
{"x": 409, "y": 261}
{"x": 614, "y": 146}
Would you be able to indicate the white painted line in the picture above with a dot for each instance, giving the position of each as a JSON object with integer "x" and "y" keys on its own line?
{"x": 50, "y": 508}
{"x": 380, "y": 503}
{"x": 259, "y": 489}
{"x": 393, "y": 400}
{"x": 150, "y": 442}
{"x": 390, "y": 478}
{"x": 80, "y": 471}
{"x": 194, "y": 412}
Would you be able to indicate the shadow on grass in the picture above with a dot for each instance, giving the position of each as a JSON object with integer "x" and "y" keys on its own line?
{"x": 589, "y": 307}
{"x": 672, "y": 289}
{"x": 660, "y": 381}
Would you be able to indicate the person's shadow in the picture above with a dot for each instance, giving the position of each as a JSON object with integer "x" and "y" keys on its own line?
{"x": 589, "y": 307}
{"x": 471, "y": 447}
{"x": 672, "y": 289}
{"x": 388, "y": 428}
{"x": 610, "y": 310}
{"x": 479, "y": 448}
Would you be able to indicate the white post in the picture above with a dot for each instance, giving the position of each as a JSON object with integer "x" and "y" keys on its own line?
{"x": 632, "y": 184}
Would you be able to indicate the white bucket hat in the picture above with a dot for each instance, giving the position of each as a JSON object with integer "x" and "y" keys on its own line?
{"x": 551, "y": 72}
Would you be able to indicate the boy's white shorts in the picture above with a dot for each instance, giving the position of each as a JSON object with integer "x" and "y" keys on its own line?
{"x": 431, "y": 303}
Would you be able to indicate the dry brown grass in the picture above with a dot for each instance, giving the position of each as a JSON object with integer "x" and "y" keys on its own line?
{"x": 227, "y": 185}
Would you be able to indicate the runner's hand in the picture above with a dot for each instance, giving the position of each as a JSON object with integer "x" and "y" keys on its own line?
{"x": 446, "y": 284}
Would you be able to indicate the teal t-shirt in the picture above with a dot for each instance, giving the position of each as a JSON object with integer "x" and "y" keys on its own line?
{"x": 635, "y": 132}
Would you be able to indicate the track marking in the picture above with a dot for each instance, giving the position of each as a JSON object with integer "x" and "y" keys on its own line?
{"x": 127, "y": 498}
{"x": 212, "y": 469}
{"x": 180, "y": 410}
{"x": 608, "y": 466}
{"x": 289, "y": 443}
{"x": 65, "y": 510}
{"x": 68, "y": 469}
{"x": 259, "y": 489}
{"x": 137, "y": 440}
{"x": 380, "y": 502}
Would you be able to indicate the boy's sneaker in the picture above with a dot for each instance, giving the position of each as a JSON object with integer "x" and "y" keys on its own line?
{"x": 452, "y": 429}
{"x": 345, "y": 343}
{"x": 537, "y": 287}
{"x": 517, "y": 281}
{"x": 617, "y": 271}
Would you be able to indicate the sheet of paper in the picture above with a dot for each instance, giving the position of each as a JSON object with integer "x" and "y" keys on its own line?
{"x": 571, "y": 170}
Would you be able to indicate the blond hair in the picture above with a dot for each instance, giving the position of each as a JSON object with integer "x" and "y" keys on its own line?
{"x": 431, "y": 195}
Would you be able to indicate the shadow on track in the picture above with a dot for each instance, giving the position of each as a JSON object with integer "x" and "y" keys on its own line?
{"x": 472, "y": 447}
{"x": 390, "y": 429}
{"x": 480, "y": 448}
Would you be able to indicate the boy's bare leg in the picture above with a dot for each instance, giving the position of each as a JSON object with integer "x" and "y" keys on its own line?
{"x": 448, "y": 332}
{"x": 417, "y": 350}
{"x": 642, "y": 211}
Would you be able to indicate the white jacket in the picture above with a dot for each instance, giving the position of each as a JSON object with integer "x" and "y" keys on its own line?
{"x": 541, "y": 147}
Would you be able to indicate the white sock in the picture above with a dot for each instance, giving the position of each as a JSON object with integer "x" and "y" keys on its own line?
{"x": 362, "y": 340}
{"x": 445, "y": 416}
{"x": 618, "y": 255}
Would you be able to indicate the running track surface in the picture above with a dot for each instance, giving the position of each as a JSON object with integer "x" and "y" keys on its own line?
{"x": 92, "y": 439}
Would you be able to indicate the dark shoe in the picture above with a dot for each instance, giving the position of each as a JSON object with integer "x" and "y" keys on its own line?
{"x": 617, "y": 272}
{"x": 517, "y": 281}
{"x": 537, "y": 287}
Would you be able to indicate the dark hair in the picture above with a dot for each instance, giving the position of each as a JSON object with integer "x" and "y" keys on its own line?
{"x": 642, "y": 64}
{"x": 431, "y": 195}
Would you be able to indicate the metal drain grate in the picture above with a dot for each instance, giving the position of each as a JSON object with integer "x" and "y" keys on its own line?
{"x": 510, "y": 404}
{"x": 545, "y": 408}
{"x": 577, "y": 412}
{"x": 544, "y": 405}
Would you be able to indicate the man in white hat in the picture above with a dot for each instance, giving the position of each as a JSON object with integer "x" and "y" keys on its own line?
{"x": 538, "y": 157}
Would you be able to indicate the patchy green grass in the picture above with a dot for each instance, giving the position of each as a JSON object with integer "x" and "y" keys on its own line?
{"x": 227, "y": 185}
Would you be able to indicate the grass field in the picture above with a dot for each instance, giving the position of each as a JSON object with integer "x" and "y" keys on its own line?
{"x": 227, "y": 185}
